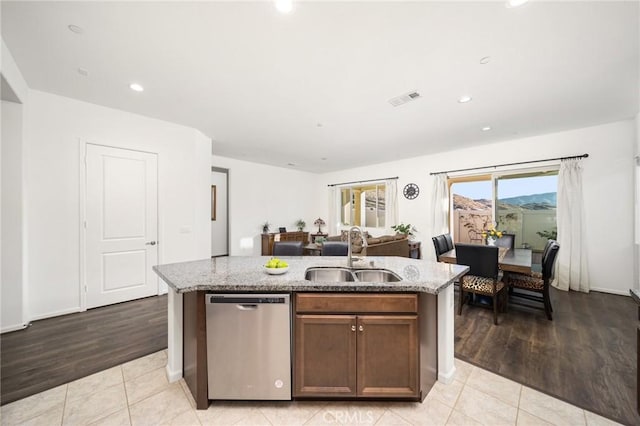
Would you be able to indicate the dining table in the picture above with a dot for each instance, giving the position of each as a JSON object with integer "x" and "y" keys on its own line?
{"x": 509, "y": 260}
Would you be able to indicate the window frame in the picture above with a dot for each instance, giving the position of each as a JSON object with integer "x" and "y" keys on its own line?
{"x": 493, "y": 177}
{"x": 360, "y": 188}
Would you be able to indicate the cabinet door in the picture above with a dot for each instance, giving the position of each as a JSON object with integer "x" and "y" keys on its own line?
{"x": 325, "y": 355}
{"x": 388, "y": 356}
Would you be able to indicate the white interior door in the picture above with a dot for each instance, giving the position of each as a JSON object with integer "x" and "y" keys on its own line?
{"x": 121, "y": 225}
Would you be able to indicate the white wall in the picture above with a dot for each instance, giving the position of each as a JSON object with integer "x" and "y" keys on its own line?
{"x": 11, "y": 296}
{"x": 55, "y": 129}
{"x": 13, "y": 262}
{"x": 219, "y": 231}
{"x": 259, "y": 193}
{"x": 607, "y": 179}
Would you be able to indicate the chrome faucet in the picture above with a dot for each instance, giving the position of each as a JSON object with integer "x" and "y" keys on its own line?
{"x": 350, "y": 252}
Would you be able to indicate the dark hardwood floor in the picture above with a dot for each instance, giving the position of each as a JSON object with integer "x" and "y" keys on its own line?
{"x": 585, "y": 356}
{"x": 58, "y": 350}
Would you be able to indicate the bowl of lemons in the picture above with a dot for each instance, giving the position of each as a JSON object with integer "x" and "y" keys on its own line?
{"x": 276, "y": 266}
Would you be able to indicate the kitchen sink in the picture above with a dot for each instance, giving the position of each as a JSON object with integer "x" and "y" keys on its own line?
{"x": 377, "y": 275}
{"x": 334, "y": 275}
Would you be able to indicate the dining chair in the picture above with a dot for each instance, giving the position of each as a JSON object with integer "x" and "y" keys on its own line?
{"x": 287, "y": 248}
{"x": 536, "y": 282}
{"x": 335, "y": 248}
{"x": 484, "y": 277}
{"x": 449, "y": 241}
{"x": 506, "y": 241}
{"x": 440, "y": 245}
{"x": 538, "y": 266}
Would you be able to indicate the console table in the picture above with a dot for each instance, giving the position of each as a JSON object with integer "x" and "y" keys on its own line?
{"x": 270, "y": 238}
{"x": 318, "y": 234}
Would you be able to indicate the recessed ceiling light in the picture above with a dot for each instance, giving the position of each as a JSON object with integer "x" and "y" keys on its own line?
{"x": 318, "y": 124}
{"x": 324, "y": 158}
{"x": 136, "y": 87}
{"x": 284, "y": 6}
{"x": 75, "y": 29}
{"x": 83, "y": 71}
{"x": 485, "y": 60}
{"x": 486, "y": 128}
{"x": 515, "y": 3}
{"x": 464, "y": 99}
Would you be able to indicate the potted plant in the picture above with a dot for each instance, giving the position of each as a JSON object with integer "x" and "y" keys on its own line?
{"x": 301, "y": 224}
{"x": 265, "y": 227}
{"x": 407, "y": 229}
{"x": 319, "y": 241}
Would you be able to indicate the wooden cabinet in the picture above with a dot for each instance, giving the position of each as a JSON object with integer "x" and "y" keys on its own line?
{"x": 269, "y": 239}
{"x": 325, "y": 355}
{"x": 387, "y": 354}
{"x": 362, "y": 347}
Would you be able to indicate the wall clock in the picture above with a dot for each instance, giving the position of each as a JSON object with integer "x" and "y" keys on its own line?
{"x": 411, "y": 191}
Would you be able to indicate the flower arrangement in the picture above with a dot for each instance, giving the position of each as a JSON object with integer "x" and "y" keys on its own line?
{"x": 491, "y": 234}
{"x": 300, "y": 224}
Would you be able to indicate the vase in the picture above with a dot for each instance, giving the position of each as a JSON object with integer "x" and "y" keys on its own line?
{"x": 491, "y": 241}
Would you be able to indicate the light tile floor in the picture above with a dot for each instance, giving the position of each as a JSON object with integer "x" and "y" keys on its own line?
{"x": 137, "y": 393}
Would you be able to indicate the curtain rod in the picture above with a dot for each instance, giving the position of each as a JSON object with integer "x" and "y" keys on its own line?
{"x": 362, "y": 181}
{"x": 510, "y": 164}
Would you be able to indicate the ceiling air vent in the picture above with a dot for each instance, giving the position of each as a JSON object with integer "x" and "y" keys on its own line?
{"x": 403, "y": 99}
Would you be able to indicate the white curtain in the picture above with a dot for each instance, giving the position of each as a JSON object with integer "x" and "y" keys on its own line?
{"x": 440, "y": 216}
{"x": 572, "y": 257}
{"x": 391, "y": 202}
{"x": 332, "y": 222}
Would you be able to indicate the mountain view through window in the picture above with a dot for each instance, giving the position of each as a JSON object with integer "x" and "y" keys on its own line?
{"x": 526, "y": 206}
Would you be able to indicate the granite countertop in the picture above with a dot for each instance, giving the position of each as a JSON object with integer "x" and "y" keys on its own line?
{"x": 246, "y": 273}
{"x": 635, "y": 294}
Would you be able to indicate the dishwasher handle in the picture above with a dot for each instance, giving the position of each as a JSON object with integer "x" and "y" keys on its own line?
{"x": 248, "y": 299}
{"x": 247, "y": 307}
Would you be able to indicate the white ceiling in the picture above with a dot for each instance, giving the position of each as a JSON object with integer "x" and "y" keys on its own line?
{"x": 312, "y": 88}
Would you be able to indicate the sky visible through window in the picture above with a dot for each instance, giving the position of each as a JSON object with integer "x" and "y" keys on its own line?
{"x": 507, "y": 187}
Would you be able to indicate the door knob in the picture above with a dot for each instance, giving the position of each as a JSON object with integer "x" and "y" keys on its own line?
{"x": 151, "y": 243}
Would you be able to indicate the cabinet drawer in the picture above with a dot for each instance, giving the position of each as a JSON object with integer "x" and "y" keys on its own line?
{"x": 356, "y": 303}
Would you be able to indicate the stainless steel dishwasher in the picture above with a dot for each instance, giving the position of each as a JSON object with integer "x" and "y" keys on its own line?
{"x": 249, "y": 346}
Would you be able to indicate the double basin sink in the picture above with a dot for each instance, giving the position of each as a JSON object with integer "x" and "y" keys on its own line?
{"x": 336, "y": 275}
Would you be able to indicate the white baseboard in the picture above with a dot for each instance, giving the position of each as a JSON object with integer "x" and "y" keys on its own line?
{"x": 611, "y": 291}
{"x": 57, "y": 313}
{"x": 447, "y": 377}
{"x": 13, "y": 328}
{"x": 173, "y": 376}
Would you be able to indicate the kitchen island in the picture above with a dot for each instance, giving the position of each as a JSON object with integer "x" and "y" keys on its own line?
{"x": 430, "y": 283}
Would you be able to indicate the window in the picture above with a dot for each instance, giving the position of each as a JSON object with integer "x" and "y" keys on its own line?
{"x": 363, "y": 205}
{"x": 526, "y": 206}
{"x": 472, "y": 207}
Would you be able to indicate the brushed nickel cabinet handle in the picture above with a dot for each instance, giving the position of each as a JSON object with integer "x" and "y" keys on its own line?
{"x": 361, "y": 328}
{"x": 353, "y": 328}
